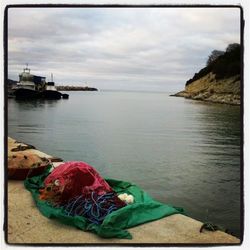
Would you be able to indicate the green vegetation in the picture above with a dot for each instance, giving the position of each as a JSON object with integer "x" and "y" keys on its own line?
{"x": 222, "y": 64}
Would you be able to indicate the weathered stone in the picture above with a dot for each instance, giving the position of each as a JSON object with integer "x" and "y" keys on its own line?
{"x": 209, "y": 89}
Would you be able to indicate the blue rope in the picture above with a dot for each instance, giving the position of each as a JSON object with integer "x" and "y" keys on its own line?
{"x": 95, "y": 208}
{"x": 74, "y": 204}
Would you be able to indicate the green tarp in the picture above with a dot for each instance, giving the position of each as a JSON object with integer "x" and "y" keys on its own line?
{"x": 144, "y": 209}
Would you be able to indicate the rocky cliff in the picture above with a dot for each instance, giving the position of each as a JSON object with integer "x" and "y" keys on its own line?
{"x": 219, "y": 81}
{"x": 209, "y": 89}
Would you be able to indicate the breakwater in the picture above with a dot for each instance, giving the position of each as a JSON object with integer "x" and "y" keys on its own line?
{"x": 75, "y": 88}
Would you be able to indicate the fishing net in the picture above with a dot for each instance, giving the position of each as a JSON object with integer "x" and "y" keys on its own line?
{"x": 99, "y": 211}
{"x": 73, "y": 179}
{"x": 95, "y": 207}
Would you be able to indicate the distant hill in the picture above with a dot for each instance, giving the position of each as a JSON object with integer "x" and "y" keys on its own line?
{"x": 10, "y": 85}
{"x": 11, "y": 82}
{"x": 220, "y": 80}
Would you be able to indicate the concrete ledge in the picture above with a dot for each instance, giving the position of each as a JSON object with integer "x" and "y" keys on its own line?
{"x": 26, "y": 225}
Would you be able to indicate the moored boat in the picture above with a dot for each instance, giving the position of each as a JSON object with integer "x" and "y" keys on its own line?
{"x": 29, "y": 86}
{"x": 50, "y": 91}
{"x": 65, "y": 96}
{"x": 33, "y": 87}
{"x": 25, "y": 93}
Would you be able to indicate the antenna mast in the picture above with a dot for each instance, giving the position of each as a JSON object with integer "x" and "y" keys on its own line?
{"x": 26, "y": 68}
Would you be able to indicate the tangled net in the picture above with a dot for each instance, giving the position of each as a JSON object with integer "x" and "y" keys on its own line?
{"x": 94, "y": 207}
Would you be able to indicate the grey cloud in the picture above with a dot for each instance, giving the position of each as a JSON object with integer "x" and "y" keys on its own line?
{"x": 118, "y": 47}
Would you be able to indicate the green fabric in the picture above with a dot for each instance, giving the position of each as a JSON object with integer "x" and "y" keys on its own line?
{"x": 144, "y": 209}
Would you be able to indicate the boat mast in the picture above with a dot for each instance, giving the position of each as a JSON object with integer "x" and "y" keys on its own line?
{"x": 26, "y": 69}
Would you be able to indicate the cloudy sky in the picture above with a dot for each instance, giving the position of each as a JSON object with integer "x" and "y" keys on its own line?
{"x": 147, "y": 49}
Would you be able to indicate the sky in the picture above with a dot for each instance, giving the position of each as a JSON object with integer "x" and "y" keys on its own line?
{"x": 148, "y": 49}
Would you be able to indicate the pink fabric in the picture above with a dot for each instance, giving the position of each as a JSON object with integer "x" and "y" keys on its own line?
{"x": 72, "y": 179}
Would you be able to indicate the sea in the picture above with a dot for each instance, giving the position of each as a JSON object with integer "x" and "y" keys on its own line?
{"x": 182, "y": 152}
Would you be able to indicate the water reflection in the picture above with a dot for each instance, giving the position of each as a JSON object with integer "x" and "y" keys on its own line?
{"x": 29, "y": 117}
{"x": 218, "y": 152}
{"x": 36, "y": 103}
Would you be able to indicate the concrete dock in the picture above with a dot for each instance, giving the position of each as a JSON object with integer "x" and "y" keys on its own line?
{"x": 26, "y": 225}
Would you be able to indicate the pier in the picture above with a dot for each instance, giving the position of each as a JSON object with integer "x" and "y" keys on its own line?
{"x": 26, "y": 225}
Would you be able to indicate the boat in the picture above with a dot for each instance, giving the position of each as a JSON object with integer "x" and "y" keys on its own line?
{"x": 65, "y": 96}
{"x": 29, "y": 86}
{"x": 34, "y": 87}
{"x": 50, "y": 91}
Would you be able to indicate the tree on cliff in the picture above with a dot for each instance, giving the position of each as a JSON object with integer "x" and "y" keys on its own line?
{"x": 230, "y": 63}
{"x": 214, "y": 55}
{"x": 233, "y": 47}
{"x": 222, "y": 64}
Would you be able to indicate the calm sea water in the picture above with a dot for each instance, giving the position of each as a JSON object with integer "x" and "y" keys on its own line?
{"x": 182, "y": 152}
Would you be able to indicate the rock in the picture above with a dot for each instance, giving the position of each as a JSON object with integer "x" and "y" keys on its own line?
{"x": 207, "y": 88}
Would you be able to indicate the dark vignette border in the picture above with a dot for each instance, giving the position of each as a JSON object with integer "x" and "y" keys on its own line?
{"x": 5, "y": 42}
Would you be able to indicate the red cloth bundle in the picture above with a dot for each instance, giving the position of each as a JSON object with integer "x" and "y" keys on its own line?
{"x": 73, "y": 179}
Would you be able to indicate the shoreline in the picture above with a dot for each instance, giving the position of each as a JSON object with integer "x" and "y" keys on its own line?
{"x": 212, "y": 99}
